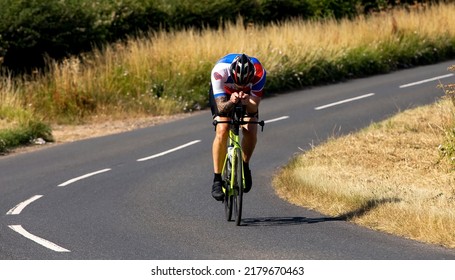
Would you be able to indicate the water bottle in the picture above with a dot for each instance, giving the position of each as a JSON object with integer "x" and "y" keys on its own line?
{"x": 229, "y": 161}
{"x": 230, "y": 151}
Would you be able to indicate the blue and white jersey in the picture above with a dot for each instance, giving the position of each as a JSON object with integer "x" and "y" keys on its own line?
{"x": 223, "y": 85}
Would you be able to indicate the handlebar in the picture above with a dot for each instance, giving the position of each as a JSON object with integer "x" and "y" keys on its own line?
{"x": 240, "y": 122}
{"x": 237, "y": 117}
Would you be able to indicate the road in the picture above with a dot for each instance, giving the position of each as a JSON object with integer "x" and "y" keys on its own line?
{"x": 145, "y": 194}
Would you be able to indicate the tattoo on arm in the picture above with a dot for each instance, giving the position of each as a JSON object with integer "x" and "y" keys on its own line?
{"x": 224, "y": 105}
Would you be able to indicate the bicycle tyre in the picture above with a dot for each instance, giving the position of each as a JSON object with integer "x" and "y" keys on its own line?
{"x": 238, "y": 196}
{"x": 228, "y": 198}
{"x": 228, "y": 202}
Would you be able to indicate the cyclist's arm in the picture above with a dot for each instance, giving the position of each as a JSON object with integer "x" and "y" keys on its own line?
{"x": 252, "y": 103}
{"x": 223, "y": 100}
{"x": 224, "y": 104}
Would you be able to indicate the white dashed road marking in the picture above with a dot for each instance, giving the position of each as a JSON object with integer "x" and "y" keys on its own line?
{"x": 170, "y": 151}
{"x": 16, "y": 210}
{"x": 344, "y": 101}
{"x": 277, "y": 119}
{"x": 426, "y": 81}
{"x": 83, "y": 177}
{"x": 43, "y": 242}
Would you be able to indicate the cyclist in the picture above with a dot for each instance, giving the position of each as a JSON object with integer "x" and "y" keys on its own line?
{"x": 235, "y": 78}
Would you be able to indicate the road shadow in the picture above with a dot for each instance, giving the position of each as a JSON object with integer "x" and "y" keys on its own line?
{"x": 284, "y": 221}
{"x": 289, "y": 221}
{"x": 367, "y": 207}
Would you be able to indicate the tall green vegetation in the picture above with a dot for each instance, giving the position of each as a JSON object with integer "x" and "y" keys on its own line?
{"x": 30, "y": 30}
{"x": 18, "y": 125}
{"x": 168, "y": 71}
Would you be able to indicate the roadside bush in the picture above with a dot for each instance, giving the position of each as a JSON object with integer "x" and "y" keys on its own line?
{"x": 132, "y": 17}
{"x": 206, "y": 13}
{"x": 33, "y": 29}
{"x": 374, "y": 6}
{"x": 334, "y": 8}
{"x": 30, "y": 30}
{"x": 276, "y": 11}
{"x": 24, "y": 134}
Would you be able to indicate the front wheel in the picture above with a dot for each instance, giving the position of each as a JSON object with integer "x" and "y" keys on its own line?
{"x": 228, "y": 198}
{"x": 228, "y": 202}
{"x": 239, "y": 185}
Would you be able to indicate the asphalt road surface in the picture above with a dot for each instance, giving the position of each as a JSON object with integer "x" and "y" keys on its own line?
{"x": 145, "y": 194}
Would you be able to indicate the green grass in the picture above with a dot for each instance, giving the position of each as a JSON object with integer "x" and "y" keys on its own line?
{"x": 24, "y": 135}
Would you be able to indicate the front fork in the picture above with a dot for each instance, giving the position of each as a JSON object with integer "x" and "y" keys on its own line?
{"x": 230, "y": 163}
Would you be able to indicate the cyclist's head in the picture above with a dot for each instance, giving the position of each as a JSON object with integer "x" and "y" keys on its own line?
{"x": 242, "y": 70}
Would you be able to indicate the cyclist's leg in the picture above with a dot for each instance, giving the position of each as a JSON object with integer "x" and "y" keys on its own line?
{"x": 219, "y": 147}
{"x": 250, "y": 130}
{"x": 248, "y": 144}
{"x": 249, "y": 139}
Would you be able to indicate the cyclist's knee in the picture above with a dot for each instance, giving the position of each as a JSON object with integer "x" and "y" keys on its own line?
{"x": 250, "y": 134}
{"x": 250, "y": 129}
{"x": 222, "y": 129}
{"x": 222, "y": 132}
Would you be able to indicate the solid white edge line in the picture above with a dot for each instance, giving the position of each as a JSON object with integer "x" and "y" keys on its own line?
{"x": 426, "y": 81}
{"x": 170, "y": 151}
{"x": 277, "y": 119}
{"x": 43, "y": 242}
{"x": 83, "y": 177}
{"x": 344, "y": 101}
{"x": 16, "y": 210}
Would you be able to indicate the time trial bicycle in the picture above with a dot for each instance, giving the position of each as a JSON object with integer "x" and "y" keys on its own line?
{"x": 232, "y": 172}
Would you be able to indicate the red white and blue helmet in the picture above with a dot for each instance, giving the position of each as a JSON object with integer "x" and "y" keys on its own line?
{"x": 242, "y": 70}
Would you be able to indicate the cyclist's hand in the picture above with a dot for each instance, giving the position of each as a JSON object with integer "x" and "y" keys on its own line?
{"x": 240, "y": 96}
{"x": 234, "y": 97}
{"x": 244, "y": 98}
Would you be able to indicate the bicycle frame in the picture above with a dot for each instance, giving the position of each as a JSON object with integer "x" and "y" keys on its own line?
{"x": 233, "y": 154}
{"x": 234, "y": 178}
{"x": 234, "y": 142}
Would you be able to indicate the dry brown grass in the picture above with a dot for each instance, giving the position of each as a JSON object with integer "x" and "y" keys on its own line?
{"x": 8, "y": 92}
{"x": 158, "y": 74}
{"x": 9, "y": 102}
{"x": 389, "y": 176}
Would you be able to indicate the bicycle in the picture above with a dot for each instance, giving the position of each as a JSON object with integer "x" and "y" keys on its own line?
{"x": 232, "y": 172}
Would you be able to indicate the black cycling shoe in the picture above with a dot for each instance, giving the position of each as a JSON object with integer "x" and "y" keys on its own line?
{"x": 248, "y": 180}
{"x": 217, "y": 190}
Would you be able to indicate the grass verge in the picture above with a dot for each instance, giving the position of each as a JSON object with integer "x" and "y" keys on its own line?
{"x": 390, "y": 176}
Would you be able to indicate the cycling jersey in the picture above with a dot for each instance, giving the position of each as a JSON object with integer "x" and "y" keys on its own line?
{"x": 223, "y": 84}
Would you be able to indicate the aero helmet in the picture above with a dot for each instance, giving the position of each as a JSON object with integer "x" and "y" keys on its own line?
{"x": 242, "y": 70}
